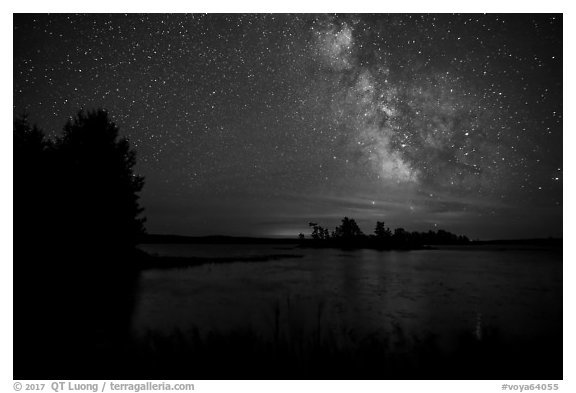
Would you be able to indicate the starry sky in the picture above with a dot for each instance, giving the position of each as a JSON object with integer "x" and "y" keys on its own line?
{"x": 258, "y": 124}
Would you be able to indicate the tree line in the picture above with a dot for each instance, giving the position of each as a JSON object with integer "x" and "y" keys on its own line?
{"x": 348, "y": 233}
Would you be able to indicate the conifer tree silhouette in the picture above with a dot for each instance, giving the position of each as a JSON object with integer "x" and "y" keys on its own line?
{"x": 99, "y": 187}
{"x": 77, "y": 221}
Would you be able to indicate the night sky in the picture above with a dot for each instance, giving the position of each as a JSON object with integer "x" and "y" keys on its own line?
{"x": 258, "y": 124}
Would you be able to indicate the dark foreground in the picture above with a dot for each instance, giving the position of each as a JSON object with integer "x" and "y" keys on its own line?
{"x": 80, "y": 329}
{"x": 246, "y": 355}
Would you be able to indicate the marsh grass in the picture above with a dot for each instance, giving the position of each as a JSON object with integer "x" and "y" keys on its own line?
{"x": 244, "y": 354}
{"x": 326, "y": 352}
{"x": 290, "y": 352}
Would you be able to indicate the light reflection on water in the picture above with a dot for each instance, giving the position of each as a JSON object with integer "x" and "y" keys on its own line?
{"x": 444, "y": 292}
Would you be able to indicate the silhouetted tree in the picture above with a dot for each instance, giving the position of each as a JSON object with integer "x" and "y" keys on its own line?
{"x": 30, "y": 178}
{"x": 76, "y": 220}
{"x": 98, "y": 181}
{"x": 319, "y": 233}
{"x": 315, "y": 233}
{"x": 348, "y": 229}
{"x": 400, "y": 232}
{"x": 29, "y": 142}
{"x": 381, "y": 231}
{"x": 31, "y": 220}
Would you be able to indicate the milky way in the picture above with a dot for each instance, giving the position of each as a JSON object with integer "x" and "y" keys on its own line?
{"x": 256, "y": 124}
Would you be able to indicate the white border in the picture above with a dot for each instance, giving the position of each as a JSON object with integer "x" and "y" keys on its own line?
{"x": 499, "y": 6}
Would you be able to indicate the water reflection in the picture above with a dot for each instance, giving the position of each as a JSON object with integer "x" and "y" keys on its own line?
{"x": 440, "y": 292}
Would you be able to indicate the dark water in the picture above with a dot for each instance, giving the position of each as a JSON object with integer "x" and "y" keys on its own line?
{"x": 443, "y": 292}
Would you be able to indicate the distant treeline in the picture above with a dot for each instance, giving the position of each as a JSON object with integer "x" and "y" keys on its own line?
{"x": 179, "y": 239}
{"x": 349, "y": 234}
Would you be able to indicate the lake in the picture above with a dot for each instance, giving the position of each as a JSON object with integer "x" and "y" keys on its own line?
{"x": 443, "y": 292}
